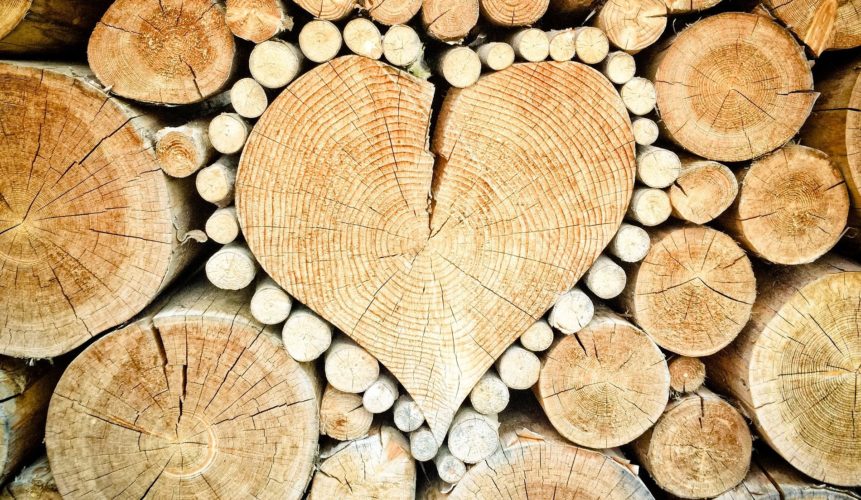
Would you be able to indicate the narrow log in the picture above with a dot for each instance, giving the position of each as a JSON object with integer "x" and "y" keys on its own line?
{"x": 41, "y": 26}
{"x": 363, "y": 37}
{"x": 537, "y": 338}
{"x": 194, "y": 397}
{"x": 758, "y": 107}
{"x": 693, "y": 292}
{"x": 530, "y": 44}
{"x": 473, "y": 436}
{"x": 406, "y": 414}
{"x": 320, "y": 40}
{"x": 423, "y": 444}
{"x": 402, "y": 45}
{"x": 657, "y": 167}
{"x": 222, "y": 227}
{"x": 686, "y": 374}
{"x": 619, "y": 67}
{"x": 496, "y": 55}
{"x": 342, "y": 415}
{"x": 271, "y": 305}
{"x": 330, "y": 10}
{"x": 449, "y": 468}
{"x": 592, "y": 45}
{"x": 631, "y": 243}
{"x": 391, "y": 12}
{"x": 791, "y": 207}
{"x": 92, "y": 232}
{"x": 182, "y": 151}
{"x": 649, "y": 207}
{"x": 381, "y": 395}
{"x": 34, "y": 482}
{"x": 449, "y": 20}
{"x": 639, "y": 96}
{"x": 794, "y": 367}
{"x": 605, "y": 278}
{"x": 511, "y": 13}
{"x": 645, "y": 131}
{"x": 228, "y": 132}
{"x": 350, "y": 368}
{"x": 168, "y": 52}
{"x": 604, "y": 385}
{"x": 275, "y": 63}
{"x": 257, "y": 20}
{"x": 703, "y": 191}
{"x": 821, "y": 26}
{"x": 632, "y": 25}
{"x": 490, "y": 395}
{"x": 216, "y": 182}
{"x": 248, "y": 98}
{"x": 563, "y": 44}
{"x": 518, "y": 368}
{"x": 572, "y": 311}
{"x": 460, "y": 66}
{"x": 378, "y": 466}
{"x": 700, "y": 447}
{"x": 676, "y": 7}
{"x": 232, "y": 267}
{"x": 306, "y": 335}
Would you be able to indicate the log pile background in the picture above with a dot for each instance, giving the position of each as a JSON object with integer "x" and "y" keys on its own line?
{"x": 430, "y": 249}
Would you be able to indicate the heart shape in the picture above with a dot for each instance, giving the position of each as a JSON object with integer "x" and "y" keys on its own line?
{"x": 534, "y": 170}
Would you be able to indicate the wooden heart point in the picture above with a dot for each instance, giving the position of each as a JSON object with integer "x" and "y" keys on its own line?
{"x": 435, "y": 268}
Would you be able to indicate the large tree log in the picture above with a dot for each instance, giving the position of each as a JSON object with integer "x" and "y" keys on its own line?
{"x": 196, "y": 398}
{"x": 449, "y": 20}
{"x": 604, "y": 385}
{"x": 90, "y": 227}
{"x": 821, "y": 25}
{"x": 694, "y": 290}
{"x": 456, "y": 277}
{"x": 34, "y": 26}
{"x": 794, "y": 368}
{"x": 34, "y": 482}
{"x": 163, "y": 51}
{"x": 791, "y": 207}
{"x": 732, "y": 87}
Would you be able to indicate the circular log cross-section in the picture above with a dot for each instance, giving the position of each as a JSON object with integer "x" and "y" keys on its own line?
{"x": 449, "y": 20}
{"x": 703, "y": 191}
{"x": 455, "y": 281}
{"x": 163, "y": 52}
{"x": 694, "y": 290}
{"x": 633, "y": 25}
{"x": 604, "y": 385}
{"x": 87, "y": 235}
{"x": 795, "y": 368}
{"x": 257, "y": 20}
{"x": 732, "y": 87}
{"x": 197, "y": 400}
{"x": 510, "y": 13}
{"x": 391, "y": 12}
{"x": 330, "y": 10}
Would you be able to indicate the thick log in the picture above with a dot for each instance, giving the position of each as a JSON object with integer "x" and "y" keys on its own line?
{"x": 93, "y": 231}
{"x": 163, "y": 52}
{"x": 271, "y": 305}
{"x": 490, "y": 395}
{"x": 40, "y": 26}
{"x": 693, "y": 292}
{"x": 349, "y": 367}
{"x": 330, "y": 10}
{"x": 363, "y": 38}
{"x": 248, "y": 98}
{"x": 306, "y": 335}
{"x": 320, "y": 40}
{"x": 700, "y": 447}
{"x": 496, "y": 55}
{"x": 194, "y": 397}
{"x": 510, "y": 13}
{"x": 821, "y": 25}
{"x": 604, "y": 385}
{"x": 572, "y": 311}
{"x": 257, "y": 20}
{"x": 391, "y": 12}
{"x": 537, "y": 337}
{"x": 182, "y": 151}
{"x": 275, "y": 63}
{"x": 34, "y": 482}
{"x": 449, "y": 20}
{"x": 791, "y": 207}
{"x": 632, "y": 25}
{"x": 686, "y": 374}
{"x": 703, "y": 191}
{"x": 794, "y": 368}
{"x": 473, "y": 436}
{"x": 378, "y": 466}
{"x": 342, "y": 415}
{"x": 740, "y": 111}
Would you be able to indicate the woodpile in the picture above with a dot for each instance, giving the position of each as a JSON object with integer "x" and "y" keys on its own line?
{"x": 430, "y": 249}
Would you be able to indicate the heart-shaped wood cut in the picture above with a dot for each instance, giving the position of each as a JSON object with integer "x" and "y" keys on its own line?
{"x": 435, "y": 269}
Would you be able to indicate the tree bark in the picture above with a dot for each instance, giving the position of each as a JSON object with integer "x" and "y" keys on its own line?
{"x": 47, "y": 26}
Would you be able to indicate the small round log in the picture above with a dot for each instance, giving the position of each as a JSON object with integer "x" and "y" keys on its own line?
{"x": 639, "y": 96}
{"x": 686, "y": 374}
{"x": 381, "y": 395}
{"x": 645, "y": 131}
{"x": 632, "y": 25}
{"x": 563, "y": 44}
{"x": 496, "y": 55}
{"x": 449, "y": 20}
{"x": 391, "y": 12}
{"x": 518, "y": 367}
{"x": 530, "y": 44}
{"x": 363, "y": 37}
{"x": 449, "y": 468}
{"x": 228, "y": 133}
{"x": 605, "y": 278}
{"x": 473, "y": 436}
{"x": 320, "y": 40}
{"x": 222, "y": 226}
{"x": 182, "y": 151}
{"x": 591, "y": 45}
{"x": 406, "y": 414}
{"x": 330, "y": 10}
{"x": 248, "y": 98}
{"x": 511, "y": 13}
{"x": 460, "y": 66}
{"x": 216, "y": 182}
{"x": 232, "y": 267}
{"x": 490, "y": 395}
{"x": 631, "y": 243}
{"x": 572, "y": 311}
{"x": 703, "y": 191}
{"x": 649, "y": 206}
{"x": 275, "y": 63}
{"x": 257, "y": 20}
{"x": 342, "y": 415}
{"x": 306, "y": 335}
{"x": 657, "y": 167}
{"x": 423, "y": 444}
{"x": 536, "y": 338}
{"x": 619, "y": 67}
{"x": 349, "y": 368}
{"x": 271, "y": 305}
{"x": 402, "y": 45}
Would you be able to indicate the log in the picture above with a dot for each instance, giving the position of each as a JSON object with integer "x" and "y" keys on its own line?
{"x": 631, "y": 243}
{"x": 275, "y": 63}
{"x": 639, "y": 96}
{"x": 391, "y": 12}
{"x": 271, "y": 305}
{"x": 619, "y": 67}
{"x": 657, "y": 167}
{"x": 592, "y": 45}
{"x": 605, "y": 385}
{"x": 700, "y": 447}
{"x": 791, "y": 207}
{"x": 306, "y": 335}
{"x": 363, "y": 38}
{"x": 632, "y": 25}
{"x": 222, "y": 226}
{"x": 794, "y": 367}
{"x": 182, "y": 151}
{"x": 449, "y": 468}
{"x": 496, "y": 55}
{"x": 167, "y": 52}
{"x": 645, "y": 131}
{"x": 194, "y": 398}
{"x": 676, "y": 7}
{"x": 511, "y": 13}
{"x": 649, "y": 207}
{"x": 530, "y": 44}
{"x": 92, "y": 232}
{"x": 330, "y": 10}
{"x": 741, "y": 111}
{"x": 449, "y": 20}
{"x": 536, "y": 338}
{"x": 46, "y": 26}
{"x": 342, "y": 415}
{"x": 232, "y": 267}
{"x": 320, "y": 40}
{"x": 686, "y": 374}
{"x": 605, "y": 278}
{"x": 350, "y": 368}
{"x": 703, "y": 191}
{"x": 257, "y": 20}
{"x": 518, "y": 368}
{"x": 228, "y": 132}
{"x": 423, "y": 444}
{"x": 34, "y": 482}
{"x": 490, "y": 395}
{"x": 402, "y": 45}
{"x": 378, "y": 466}
{"x": 821, "y": 26}
{"x": 563, "y": 44}
{"x": 216, "y": 183}
{"x": 381, "y": 395}
{"x": 571, "y": 312}
{"x": 406, "y": 414}
{"x": 460, "y": 66}
{"x": 473, "y": 436}
{"x": 693, "y": 292}
{"x": 248, "y": 98}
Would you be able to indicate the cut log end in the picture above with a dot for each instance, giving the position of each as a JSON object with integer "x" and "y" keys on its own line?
{"x": 275, "y": 63}
{"x": 605, "y": 278}
{"x": 402, "y": 45}
{"x": 633, "y": 25}
{"x": 222, "y": 226}
{"x": 270, "y": 304}
{"x": 363, "y": 38}
{"x": 619, "y": 67}
{"x": 342, "y": 415}
{"x": 639, "y": 96}
{"x": 320, "y": 40}
{"x": 649, "y": 206}
{"x": 381, "y": 395}
{"x": 518, "y": 368}
{"x": 657, "y": 167}
{"x": 511, "y": 13}
{"x": 490, "y": 395}
{"x": 182, "y": 151}
{"x": 631, "y": 243}
{"x": 423, "y": 444}
{"x": 703, "y": 191}
{"x": 531, "y": 44}
{"x": 537, "y": 338}
{"x": 248, "y": 98}
{"x": 232, "y": 267}
{"x": 306, "y": 335}
{"x": 257, "y": 20}
{"x": 473, "y": 436}
{"x": 645, "y": 131}
{"x": 572, "y": 311}
{"x": 592, "y": 45}
{"x": 496, "y": 55}
{"x": 449, "y": 468}
{"x": 350, "y": 368}
{"x": 460, "y": 67}
{"x": 686, "y": 374}
{"x": 330, "y": 10}
{"x": 406, "y": 414}
{"x": 449, "y": 20}
{"x": 392, "y": 12}
{"x": 228, "y": 132}
{"x": 216, "y": 182}
{"x": 563, "y": 44}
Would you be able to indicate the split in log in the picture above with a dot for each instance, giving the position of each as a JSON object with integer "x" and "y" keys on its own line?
{"x": 571, "y": 312}
{"x": 381, "y": 395}
{"x": 738, "y": 111}
{"x": 605, "y": 278}
{"x": 449, "y": 468}
{"x": 657, "y": 167}
{"x": 330, "y": 10}
{"x": 530, "y": 44}
{"x": 402, "y": 45}
{"x": 703, "y": 191}
{"x": 631, "y": 243}
{"x": 645, "y": 131}
{"x": 423, "y": 444}
{"x": 182, "y": 151}
{"x": 490, "y": 395}
{"x": 794, "y": 368}
{"x": 619, "y": 67}
{"x": 591, "y": 45}
{"x": 391, "y": 12}
{"x": 536, "y": 338}
{"x": 686, "y": 374}
{"x": 449, "y": 20}
{"x": 257, "y": 20}
{"x": 342, "y": 415}
{"x": 195, "y": 397}
{"x": 518, "y": 367}
{"x": 320, "y": 40}
{"x": 378, "y": 466}
{"x": 271, "y": 305}
{"x": 406, "y": 414}
{"x": 275, "y": 63}
{"x": 700, "y": 447}
{"x": 649, "y": 207}
{"x": 605, "y": 385}
{"x": 222, "y": 227}
{"x": 350, "y": 368}
{"x": 216, "y": 182}
{"x": 34, "y": 482}
{"x": 563, "y": 44}
{"x": 511, "y": 13}
{"x": 460, "y": 66}
{"x": 675, "y": 7}
{"x": 399, "y": 244}
{"x": 91, "y": 232}
{"x": 248, "y": 98}
{"x": 232, "y": 267}
{"x": 40, "y": 26}
{"x": 473, "y": 436}
{"x": 306, "y": 335}
{"x": 166, "y": 52}
{"x": 821, "y": 25}
{"x": 363, "y": 37}
{"x": 632, "y": 25}
{"x": 228, "y": 132}
{"x": 693, "y": 292}
{"x": 639, "y": 96}
{"x": 791, "y": 207}
{"x": 496, "y": 55}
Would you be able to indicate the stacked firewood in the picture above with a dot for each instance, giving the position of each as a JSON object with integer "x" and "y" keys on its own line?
{"x": 430, "y": 248}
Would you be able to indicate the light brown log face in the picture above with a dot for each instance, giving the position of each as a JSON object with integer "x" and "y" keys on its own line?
{"x": 257, "y": 20}
{"x": 633, "y": 25}
{"x": 703, "y": 190}
{"x": 449, "y": 19}
{"x": 12, "y": 12}
{"x": 821, "y": 25}
{"x": 513, "y": 12}
{"x": 686, "y": 6}
{"x": 436, "y": 288}
{"x": 331, "y": 10}
{"x": 733, "y": 87}
{"x": 197, "y": 400}
{"x": 87, "y": 234}
{"x": 392, "y": 12}
{"x": 163, "y": 51}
